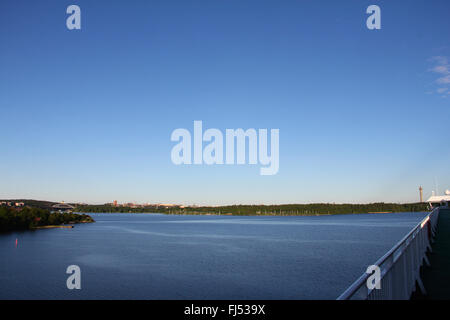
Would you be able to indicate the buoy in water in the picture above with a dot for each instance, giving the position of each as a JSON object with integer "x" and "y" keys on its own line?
{"x": 16, "y": 242}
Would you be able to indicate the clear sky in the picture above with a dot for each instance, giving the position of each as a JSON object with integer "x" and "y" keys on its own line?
{"x": 87, "y": 114}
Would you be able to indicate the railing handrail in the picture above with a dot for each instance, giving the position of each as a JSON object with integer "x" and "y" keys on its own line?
{"x": 355, "y": 286}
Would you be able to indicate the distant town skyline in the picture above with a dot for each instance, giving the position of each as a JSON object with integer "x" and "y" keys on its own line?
{"x": 88, "y": 114}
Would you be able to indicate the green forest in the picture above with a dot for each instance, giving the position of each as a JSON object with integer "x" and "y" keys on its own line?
{"x": 28, "y": 218}
{"x": 287, "y": 209}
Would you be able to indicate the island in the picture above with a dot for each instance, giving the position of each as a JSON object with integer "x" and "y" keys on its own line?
{"x": 30, "y": 218}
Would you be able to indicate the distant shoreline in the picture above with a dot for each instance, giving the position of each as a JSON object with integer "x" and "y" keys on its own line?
{"x": 255, "y": 215}
{"x": 313, "y": 209}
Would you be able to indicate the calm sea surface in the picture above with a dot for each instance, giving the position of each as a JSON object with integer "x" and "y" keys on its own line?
{"x": 154, "y": 256}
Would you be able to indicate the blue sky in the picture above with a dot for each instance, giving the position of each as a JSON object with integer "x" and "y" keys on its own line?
{"x": 87, "y": 114}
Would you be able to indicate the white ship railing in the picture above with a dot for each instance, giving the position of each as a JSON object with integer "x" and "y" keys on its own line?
{"x": 400, "y": 266}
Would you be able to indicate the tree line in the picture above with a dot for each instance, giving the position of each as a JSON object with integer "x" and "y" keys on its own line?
{"x": 286, "y": 209}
